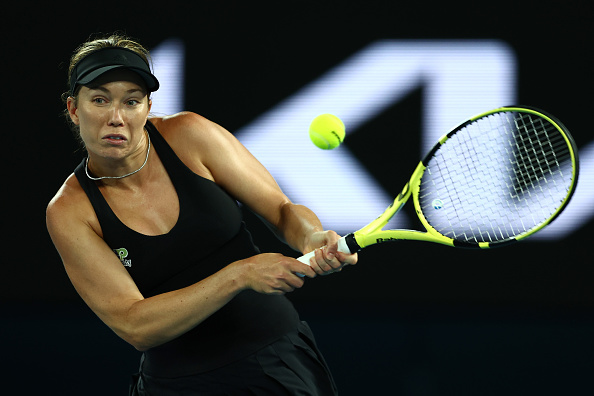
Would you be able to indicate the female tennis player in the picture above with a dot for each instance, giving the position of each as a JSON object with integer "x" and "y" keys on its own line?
{"x": 151, "y": 236}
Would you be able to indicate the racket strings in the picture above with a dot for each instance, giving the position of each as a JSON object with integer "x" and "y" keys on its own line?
{"x": 544, "y": 150}
{"x": 537, "y": 161}
{"x": 496, "y": 178}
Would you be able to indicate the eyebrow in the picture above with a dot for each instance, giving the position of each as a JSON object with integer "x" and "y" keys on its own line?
{"x": 103, "y": 89}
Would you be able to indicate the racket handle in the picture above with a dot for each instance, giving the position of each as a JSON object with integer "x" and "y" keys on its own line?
{"x": 342, "y": 247}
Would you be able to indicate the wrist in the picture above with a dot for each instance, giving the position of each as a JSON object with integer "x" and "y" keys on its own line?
{"x": 313, "y": 239}
{"x": 238, "y": 273}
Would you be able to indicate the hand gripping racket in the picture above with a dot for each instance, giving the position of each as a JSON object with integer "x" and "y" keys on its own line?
{"x": 493, "y": 180}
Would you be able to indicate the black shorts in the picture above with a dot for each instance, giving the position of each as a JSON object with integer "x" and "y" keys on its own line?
{"x": 292, "y": 365}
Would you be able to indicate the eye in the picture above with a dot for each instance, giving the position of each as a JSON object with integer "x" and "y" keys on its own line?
{"x": 132, "y": 102}
{"x": 99, "y": 100}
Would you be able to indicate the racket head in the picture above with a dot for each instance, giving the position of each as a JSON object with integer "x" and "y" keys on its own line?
{"x": 497, "y": 178}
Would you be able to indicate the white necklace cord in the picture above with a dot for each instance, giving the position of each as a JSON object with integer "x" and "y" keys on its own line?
{"x": 126, "y": 175}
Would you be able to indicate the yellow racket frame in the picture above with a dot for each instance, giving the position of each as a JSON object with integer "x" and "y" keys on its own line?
{"x": 374, "y": 233}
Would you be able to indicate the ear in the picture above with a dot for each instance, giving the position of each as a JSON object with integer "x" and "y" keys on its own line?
{"x": 72, "y": 110}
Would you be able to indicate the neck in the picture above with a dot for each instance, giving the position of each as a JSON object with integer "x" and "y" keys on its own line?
{"x": 120, "y": 172}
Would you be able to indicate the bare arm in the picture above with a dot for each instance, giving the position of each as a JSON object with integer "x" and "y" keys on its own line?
{"x": 208, "y": 147}
{"x": 107, "y": 288}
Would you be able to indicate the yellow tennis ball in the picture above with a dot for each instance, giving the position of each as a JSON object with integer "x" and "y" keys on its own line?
{"x": 326, "y": 131}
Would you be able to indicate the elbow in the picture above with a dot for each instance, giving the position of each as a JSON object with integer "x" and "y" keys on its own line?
{"x": 136, "y": 329}
{"x": 140, "y": 339}
{"x": 139, "y": 342}
{"x": 141, "y": 347}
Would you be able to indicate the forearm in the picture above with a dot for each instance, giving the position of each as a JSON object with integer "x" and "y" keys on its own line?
{"x": 297, "y": 223}
{"x": 153, "y": 321}
{"x": 303, "y": 231}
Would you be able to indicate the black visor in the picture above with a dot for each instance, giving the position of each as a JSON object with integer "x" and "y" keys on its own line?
{"x": 106, "y": 59}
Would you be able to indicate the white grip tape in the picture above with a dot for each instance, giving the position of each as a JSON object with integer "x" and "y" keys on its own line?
{"x": 305, "y": 258}
{"x": 342, "y": 247}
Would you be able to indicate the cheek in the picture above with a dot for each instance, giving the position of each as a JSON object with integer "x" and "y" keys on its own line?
{"x": 139, "y": 116}
{"x": 83, "y": 134}
{"x": 90, "y": 116}
{"x": 89, "y": 124}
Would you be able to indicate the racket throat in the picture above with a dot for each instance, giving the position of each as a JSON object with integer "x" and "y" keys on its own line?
{"x": 363, "y": 240}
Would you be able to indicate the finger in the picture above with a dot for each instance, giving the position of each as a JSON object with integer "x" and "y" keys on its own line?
{"x": 287, "y": 283}
{"x": 332, "y": 247}
{"x": 326, "y": 263}
{"x": 295, "y": 282}
{"x": 331, "y": 257}
{"x": 300, "y": 269}
{"x": 318, "y": 262}
{"x": 305, "y": 270}
{"x": 347, "y": 259}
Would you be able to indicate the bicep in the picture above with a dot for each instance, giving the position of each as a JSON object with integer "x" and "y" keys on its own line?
{"x": 242, "y": 175}
{"x": 212, "y": 151}
{"x": 236, "y": 170}
{"x": 94, "y": 270}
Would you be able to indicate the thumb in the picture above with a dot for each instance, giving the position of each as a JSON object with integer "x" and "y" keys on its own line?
{"x": 330, "y": 251}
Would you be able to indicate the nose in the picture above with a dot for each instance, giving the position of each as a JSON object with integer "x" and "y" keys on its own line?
{"x": 116, "y": 118}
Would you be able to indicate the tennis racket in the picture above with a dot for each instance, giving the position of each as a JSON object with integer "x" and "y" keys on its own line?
{"x": 495, "y": 179}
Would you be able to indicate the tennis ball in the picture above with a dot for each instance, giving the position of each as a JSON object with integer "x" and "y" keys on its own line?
{"x": 326, "y": 131}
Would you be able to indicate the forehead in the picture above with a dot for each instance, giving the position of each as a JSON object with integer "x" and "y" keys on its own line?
{"x": 127, "y": 78}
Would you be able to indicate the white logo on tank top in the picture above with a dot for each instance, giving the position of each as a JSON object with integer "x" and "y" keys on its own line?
{"x": 122, "y": 253}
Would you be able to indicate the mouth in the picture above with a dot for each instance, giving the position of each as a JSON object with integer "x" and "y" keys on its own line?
{"x": 115, "y": 138}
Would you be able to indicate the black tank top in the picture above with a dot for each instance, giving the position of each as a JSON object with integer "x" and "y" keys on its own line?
{"x": 209, "y": 234}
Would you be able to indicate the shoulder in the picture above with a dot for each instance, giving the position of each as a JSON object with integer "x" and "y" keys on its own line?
{"x": 69, "y": 207}
{"x": 197, "y": 141}
{"x": 187, "y": 125}
{"x": 69, "y": 194}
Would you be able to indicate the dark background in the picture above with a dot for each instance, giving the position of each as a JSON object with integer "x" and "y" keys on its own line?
{"x": 411, "y": 319}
